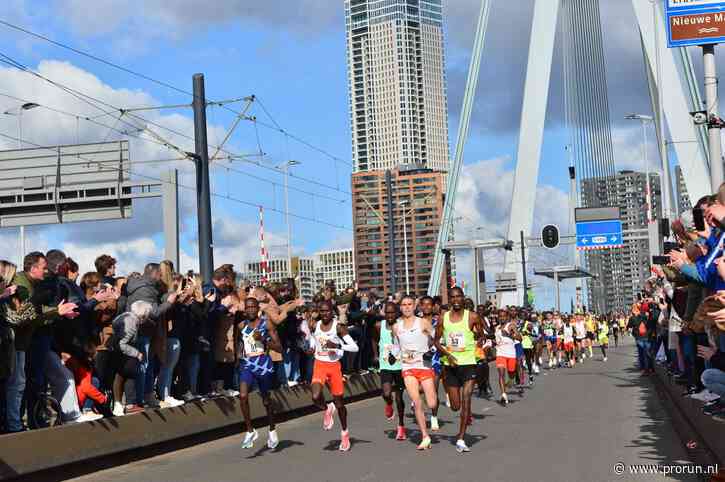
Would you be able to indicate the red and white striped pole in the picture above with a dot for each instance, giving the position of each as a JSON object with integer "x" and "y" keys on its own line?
{"x": 263, "y": 251}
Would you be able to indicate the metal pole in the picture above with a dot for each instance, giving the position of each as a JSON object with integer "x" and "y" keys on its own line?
{"x": 405, "y": 251}
{"x": 203, "y": 194}
{"x": 170, "y": 202}
{"x": 286, "y": 217}
{"x": 666, "y": 181}
{"x": 648, "y": 192}
{"x": 523, "y": 270}
{"x": 558, "y": 294}
{"x": 391, "y": 232}
{"x": 476, "y": 282}
{"x": 716, "y": 167}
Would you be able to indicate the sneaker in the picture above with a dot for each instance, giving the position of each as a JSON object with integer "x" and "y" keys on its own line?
{"x": 118, "y": 409}
{"x": 232, "y": 393}
{"x": 713, "y": 408}
{"x": 424, "y": 444}
{"x": 604, "y": 359}
{"x": 461, "y": 446}
{"x": 389, "y": 412}
{"x": 537, "y": 370}
{"x": 540, "y": 361}
{"x": 400, "y": 435}
{"x": 87, "y": 417}
{"x": 173, "y": 402}
{"x": 344, "y": 441}
{"x": 150, "y": 401}
{"x": 188, "y": 397}
{"x": 328, "y": 420}
{"x": 249, "y": 439}
{"x": 272, "y": 439}
{"x": 434, "y": 424}
{"x": 292, "y": 383}
{"x": 504, "y": 400}
{"x": 131, "y": 409}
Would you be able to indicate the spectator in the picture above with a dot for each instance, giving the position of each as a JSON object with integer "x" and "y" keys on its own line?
{"x": 103, "y": 314}
{"x": 106, "y": 268}
{"x": 82, "y": 369}
{"x": 225, "y": 354}
{"x": 127, "y": 357}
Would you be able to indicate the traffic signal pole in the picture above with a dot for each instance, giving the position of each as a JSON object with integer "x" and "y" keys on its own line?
{"x": 523, "y": 270}
{"x": 203, "y": 193}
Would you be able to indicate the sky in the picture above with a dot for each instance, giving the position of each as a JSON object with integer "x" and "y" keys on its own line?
{"x": 290, "y": 54}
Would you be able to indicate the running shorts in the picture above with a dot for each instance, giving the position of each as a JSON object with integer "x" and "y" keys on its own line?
{"x": 580, "y": 338}
{"x": 569, "y": 346}
{"x": 265, "y": 383}
{"x": 420, "y": 374}
{"x": 591, "y": 335}
{"x": 551, "y": 339}
{"x": 330, "y": 374}
{"x": 458, "y": 375}
{"x": 393, "y": 377}
{"x": 519, "y": 350}
{"x": 506, "y": 362}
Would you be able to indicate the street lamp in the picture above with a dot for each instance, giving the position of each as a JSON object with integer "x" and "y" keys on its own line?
{"x": 285, "y": 167}
{"x": 403, "y": 205}
{"x": 20, "y": 109}
{"x": 643, "y": 120}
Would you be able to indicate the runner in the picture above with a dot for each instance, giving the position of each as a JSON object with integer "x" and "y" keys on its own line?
{"x": 414, "y": 336}
{"x": 505, "y": 354}
{"x": 483, "y": 376}
{"x": 559, "y": 330}
{"x": 581, "y": 333}
{"x": 527, "y": 343}
{"x": 550, "y": 339}
{"x": 569, "y": 346}
{"x": 460, "y": 331}
{"x": 391, "y": 379}
{"x": 615, "y": 332}
{"x": 603, "y": 338}
{"x": 427, "y": 309}
{"x": 591, "y": 327}
{"x": 330, "y": 340}
{"x": 256, "y": 368}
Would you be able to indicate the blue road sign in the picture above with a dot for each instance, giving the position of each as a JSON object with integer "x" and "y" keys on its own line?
{"x": 599, "y": 234}
{"x": 694, "y": 22}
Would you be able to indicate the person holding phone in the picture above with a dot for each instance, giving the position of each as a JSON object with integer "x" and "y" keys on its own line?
{"x": 713, "y": 379}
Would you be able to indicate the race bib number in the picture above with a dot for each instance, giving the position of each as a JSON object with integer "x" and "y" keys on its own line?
{"x": 549, "y": 332}
{"x": 456, "y": 342}
{"x": 252, "y": 347}
{"x": 321, "y": 342}
{"x": 411, "y": 356}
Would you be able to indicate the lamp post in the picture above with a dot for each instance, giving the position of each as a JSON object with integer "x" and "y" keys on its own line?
{"x": 643, "y": 120}
{"x": 19, "y": 114}
{"x": 404, "y": 204}
{"x": 286, "y": 167}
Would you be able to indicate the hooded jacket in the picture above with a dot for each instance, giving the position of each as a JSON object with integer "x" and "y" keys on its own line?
{"x": 144, "y": 289}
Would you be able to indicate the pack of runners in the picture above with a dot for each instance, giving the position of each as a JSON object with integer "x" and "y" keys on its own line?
{"x": 417, "y": 346}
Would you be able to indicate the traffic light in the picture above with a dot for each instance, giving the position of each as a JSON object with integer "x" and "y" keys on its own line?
{"x": 508, "y": 245}
{"x": 550, "y": 236}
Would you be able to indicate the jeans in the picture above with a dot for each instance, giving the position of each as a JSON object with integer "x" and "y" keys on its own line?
{"x": 14, "y": 388}
{"x": 292, "y": 364}
{"x": 191, "y": 367}
{"x": 714, "y": 380}
{"x": 173, "y": 349}
{"x": 62, "y": 386}
{"x": 145, "y": 380}
{"x": 644, "y": 356}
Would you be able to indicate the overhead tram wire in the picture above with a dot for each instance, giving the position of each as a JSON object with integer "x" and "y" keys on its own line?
{"x": 153, "y": 80}
{"x": 84, "y": 97}
{"x": 101, "y": 167}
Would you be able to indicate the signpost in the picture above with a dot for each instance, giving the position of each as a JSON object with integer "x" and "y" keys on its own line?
{"x": 599, "y": 234}
{"x": 695, "y": 22}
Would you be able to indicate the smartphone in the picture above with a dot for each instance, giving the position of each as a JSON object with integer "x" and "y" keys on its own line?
{"x": 661, "y": 260}
{"x": 669, "y": 246}
{"x": 698, "y": 216}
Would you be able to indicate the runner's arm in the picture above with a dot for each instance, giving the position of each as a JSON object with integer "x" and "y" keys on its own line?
{"x": 348, "y": 344}
{"x": 273, "y": 343}
{"x": 437, "y": 343}
{"x": 376, "y": 340}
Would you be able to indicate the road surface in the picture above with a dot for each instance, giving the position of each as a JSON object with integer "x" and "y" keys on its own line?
{"x": 574, "y": 425}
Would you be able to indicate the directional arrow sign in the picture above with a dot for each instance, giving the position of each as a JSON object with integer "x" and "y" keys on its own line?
{"x": 599, "y": 234}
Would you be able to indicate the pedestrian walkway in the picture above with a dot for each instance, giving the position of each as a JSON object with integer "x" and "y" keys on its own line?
{"x": 574, "y": 425}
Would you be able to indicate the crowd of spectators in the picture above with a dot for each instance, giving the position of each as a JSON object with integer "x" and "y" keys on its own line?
{"x": 103, "y": 345}
{"x": 680, "y": 320}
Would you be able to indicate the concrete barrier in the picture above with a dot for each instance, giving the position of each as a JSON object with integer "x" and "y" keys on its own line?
{"x": 690, "y": 410}
{"x": 40, "y": 450}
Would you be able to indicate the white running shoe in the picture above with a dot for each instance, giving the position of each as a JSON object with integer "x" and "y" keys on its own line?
{"x": 88, "y": 417}
{"x": 272, "y": 439}
{"x": 461, "y": 446}
{"x": 536, "y": 369}
{"x": 249, "y": 439}
{"x": 292, "y": 383}
{"x": 604, "y": 359}
{"x": 328, "y": 419}
{"x": 173, "y": 402}
{"x": 118, "y": 409}
{"x": 434, "y": 424}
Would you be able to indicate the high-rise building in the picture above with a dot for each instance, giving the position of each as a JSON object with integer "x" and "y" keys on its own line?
{"x": 337, "y": 266}
{"x": 417, "y": 201}
{"x": 303, "y": 270}
{"x": 397, "y": 84}
{"x": 683, "y": 199}
{"x": 621, "y": 272}
{"x": 399, "y": 122}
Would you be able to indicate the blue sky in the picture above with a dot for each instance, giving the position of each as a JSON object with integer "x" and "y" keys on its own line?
{"x": 291, "y": 55}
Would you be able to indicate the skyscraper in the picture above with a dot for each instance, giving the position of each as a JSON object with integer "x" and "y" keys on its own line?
{"x": 399, "y": 122}
{"x": 397, "y": 84}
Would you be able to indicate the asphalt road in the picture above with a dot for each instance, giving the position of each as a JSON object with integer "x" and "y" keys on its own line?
{"x": 574, "y": 425}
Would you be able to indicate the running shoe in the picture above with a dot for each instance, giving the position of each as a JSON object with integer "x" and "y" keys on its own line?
{"x": 400, "y": 435}
{"x": 461, "y": 446}
{"x": 249, "y": 439}
{"x": 504, "y": 401}
{"x": 389, "y": 412}
{"x": 87, "y": 417}
{"x": 344, "y": 441}
{"x": 434, "y": 424}
{"x": 118, "y": 409}
{"x": 272, "y": 439}
{"x": 328, "y": 420}
{"x": 424, "y": 444}
{"x": 713, "y": 408}
{"x": 604, "y": 359}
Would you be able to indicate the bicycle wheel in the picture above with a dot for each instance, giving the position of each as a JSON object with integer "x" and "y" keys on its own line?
{"x": 46, "y": 412}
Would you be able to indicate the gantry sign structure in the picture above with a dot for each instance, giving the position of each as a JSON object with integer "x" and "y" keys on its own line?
{"x": 670, "y": 70}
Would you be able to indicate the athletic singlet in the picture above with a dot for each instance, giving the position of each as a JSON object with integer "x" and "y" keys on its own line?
{"x": 548, "y": 329}
{"x": 414, "y": 343}
{"x": 591, "y": 325}
{"x": 385, "y": 346}
{"x": 255, "y": 357}
{"x": 322, "y": 337}
{"x": 603, "y": 331}
{"x": 505, "y": 346}
{"x": 580, "y": 329}
{"x": 526, "y": 341}
{"x": 568, "y": 334}
{"x": 459, "y": 339}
